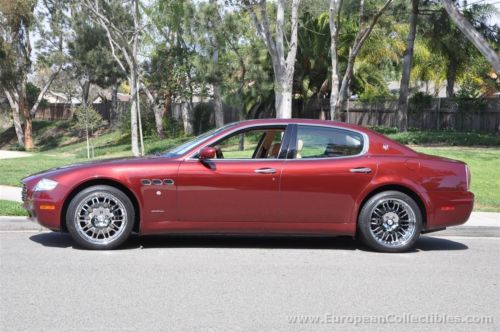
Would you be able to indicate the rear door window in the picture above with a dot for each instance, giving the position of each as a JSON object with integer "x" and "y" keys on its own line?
{"x": 325, "y": 142}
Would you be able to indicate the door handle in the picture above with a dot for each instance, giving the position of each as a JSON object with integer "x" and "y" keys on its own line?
{"x": 365, "y": 170}
{"x": 265, "y": 170}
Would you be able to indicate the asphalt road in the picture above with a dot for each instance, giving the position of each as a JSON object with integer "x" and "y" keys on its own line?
{"x": 246, "y": 284}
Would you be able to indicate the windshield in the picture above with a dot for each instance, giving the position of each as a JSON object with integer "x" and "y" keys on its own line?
{"x": 183, "y": 148}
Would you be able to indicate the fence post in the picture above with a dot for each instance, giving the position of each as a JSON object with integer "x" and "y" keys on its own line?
{"x": 437, "y": 113}
{"x": 348, "y": 119}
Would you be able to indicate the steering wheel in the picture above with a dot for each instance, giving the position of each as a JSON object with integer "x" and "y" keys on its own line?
{"x": 218, "y": 152}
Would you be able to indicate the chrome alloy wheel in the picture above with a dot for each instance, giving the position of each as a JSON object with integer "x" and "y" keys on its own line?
{"x": 392, "y": 222}
{"x": 100, "y": 217}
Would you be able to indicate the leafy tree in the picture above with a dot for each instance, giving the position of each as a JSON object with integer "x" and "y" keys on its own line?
{"x": 18, "y": 20}
{"x": 87, "y": 120}
{"x": 339, "y": 88}
{"x": 472, "y": 34}
{"x": 123, "y": 24}
{"x": 91, "y": 57}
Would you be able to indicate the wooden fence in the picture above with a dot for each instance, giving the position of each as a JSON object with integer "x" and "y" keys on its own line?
{"x": 440, "y": 114}
{"x": 62, "y": 111}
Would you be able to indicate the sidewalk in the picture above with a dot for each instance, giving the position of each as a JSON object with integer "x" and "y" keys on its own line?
{"x": 4, "y": 154}
{"x": 9, "y": 193}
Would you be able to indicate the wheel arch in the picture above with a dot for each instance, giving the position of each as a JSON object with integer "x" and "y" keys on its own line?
{"x": 107, "y": 182}
{"x": 401, "y": 188}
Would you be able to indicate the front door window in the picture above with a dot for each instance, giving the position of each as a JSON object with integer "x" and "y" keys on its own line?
{"x": 252, "y": 144}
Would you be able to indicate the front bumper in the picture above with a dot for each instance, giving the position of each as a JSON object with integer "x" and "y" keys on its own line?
{"x": 44, "y": 207}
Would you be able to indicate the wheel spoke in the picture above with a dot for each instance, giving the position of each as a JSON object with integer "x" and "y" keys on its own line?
{"x": 100, "y": 217}
{"x": 392, "y": 222}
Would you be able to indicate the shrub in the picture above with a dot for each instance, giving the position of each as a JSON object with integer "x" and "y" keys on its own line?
{"x": 86, "y": 117}
{"x": 419, "y": 101}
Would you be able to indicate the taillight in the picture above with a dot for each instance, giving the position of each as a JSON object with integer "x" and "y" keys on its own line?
{"x": 467, "y": 175}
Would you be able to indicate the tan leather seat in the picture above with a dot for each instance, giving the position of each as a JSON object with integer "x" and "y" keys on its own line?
{"x": 300, "y": 146}
{"x": 275, "y": 150}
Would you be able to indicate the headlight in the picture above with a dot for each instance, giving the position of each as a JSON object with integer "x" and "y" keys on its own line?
{"x": 45, "y": 185}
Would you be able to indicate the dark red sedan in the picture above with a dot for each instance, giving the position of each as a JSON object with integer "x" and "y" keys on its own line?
{"x": 261, "y": 177}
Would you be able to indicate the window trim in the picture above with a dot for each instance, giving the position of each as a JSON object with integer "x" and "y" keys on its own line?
{"x": 293, "y": 144}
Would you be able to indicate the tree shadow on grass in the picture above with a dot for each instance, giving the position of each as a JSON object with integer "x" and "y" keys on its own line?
{"x": 62, "y": 240}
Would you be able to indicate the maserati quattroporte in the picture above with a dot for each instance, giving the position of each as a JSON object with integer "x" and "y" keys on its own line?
{"x": 288, "y": 177}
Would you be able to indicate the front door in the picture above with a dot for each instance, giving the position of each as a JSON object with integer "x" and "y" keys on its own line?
{"x": 240, "y": 185}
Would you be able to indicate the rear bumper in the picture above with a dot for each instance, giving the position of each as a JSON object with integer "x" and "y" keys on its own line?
{"x": 449, "y": 208}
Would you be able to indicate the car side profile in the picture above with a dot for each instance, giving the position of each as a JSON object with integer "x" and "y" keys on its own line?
{"x": 275, "y": 176}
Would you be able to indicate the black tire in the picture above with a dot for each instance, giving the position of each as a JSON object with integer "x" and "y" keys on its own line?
{"x": 115, "y": 204}
{"x": 389, "y": 221}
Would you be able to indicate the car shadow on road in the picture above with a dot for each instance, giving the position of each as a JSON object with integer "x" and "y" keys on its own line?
{"x": 425, "y": 243}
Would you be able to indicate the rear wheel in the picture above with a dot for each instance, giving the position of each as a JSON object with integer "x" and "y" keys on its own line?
{"x": 100, "y": 217}
{"x": 390, "y": 221}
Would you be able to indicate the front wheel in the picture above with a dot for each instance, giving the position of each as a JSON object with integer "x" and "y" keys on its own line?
{"x": 100, "y": 217}
{"x": 390, "y": 221}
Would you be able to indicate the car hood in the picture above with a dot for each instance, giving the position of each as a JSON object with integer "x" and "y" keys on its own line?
{"x": 112, "y": 162}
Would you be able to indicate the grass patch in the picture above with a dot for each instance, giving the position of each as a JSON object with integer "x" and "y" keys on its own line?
{"x": 109, "y": 145}
{"x": 483, "y": 163}
{"x": 9, "y": 208}
{"x": 13, "y": 170}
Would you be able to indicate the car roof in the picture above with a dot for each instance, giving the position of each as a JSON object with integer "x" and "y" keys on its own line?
{"x": 301, "y": 121}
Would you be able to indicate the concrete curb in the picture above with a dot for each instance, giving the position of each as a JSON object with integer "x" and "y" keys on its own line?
{"x": 8, "y": 224}
{"x": 480, "y": 222}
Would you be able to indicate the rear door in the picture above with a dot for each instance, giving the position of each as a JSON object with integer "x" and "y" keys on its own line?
{"x": 324, "y": 173}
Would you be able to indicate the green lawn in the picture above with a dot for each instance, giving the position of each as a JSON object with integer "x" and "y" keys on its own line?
{"x": 109, "y": 145}
{"x": 8, "y": 208}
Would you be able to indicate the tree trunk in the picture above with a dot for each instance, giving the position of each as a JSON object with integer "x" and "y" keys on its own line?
{"x": 283, "y": 66}
{"x": 283, "y": 101}
{"x": 344, "y": 87}
{"x": 114, "y": 105}
{"x": 404, "y": 89}
{"x": 133, "y": 114}
{"x": 218, "y": 106}
{"x": 158, "y": 112}
{"x": 167, "y": 104}
{"x": 472, "y": 35}
{"x": 451, "y": 76}
{"x": 13, "y": 99}
{"x": 85, "y": 91}
{"x": 334, "y": 93}
{"x": 28, "y": 120}
{"x": 17, "y": 126}
{"x": 28, "y": 127}
{"x": 187, "y": 111}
